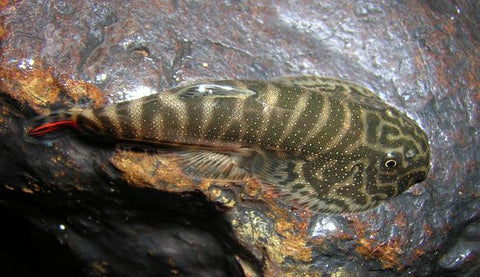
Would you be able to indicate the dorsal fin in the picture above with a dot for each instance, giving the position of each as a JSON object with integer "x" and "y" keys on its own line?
{"x": 219, "y": 89}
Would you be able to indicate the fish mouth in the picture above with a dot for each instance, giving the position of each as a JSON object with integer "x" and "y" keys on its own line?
{"x": 420, "y": 177}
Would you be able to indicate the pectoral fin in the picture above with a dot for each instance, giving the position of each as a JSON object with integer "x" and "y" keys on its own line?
{"x": 285, "y": 177}
{"x": 297, "y": 186}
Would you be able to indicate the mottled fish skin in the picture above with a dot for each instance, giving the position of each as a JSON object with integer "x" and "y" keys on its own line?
{"x": 322, "y": 143}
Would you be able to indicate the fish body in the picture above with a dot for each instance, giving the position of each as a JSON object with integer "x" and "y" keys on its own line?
{"x": 324, "y": 144}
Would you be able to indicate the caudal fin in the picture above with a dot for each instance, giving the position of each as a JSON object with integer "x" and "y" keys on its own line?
{"x": 52, "y": 126}
{"x": 44, "y": 125}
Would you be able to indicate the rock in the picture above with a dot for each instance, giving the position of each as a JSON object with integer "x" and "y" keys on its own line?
{"x": 109, "y": 211}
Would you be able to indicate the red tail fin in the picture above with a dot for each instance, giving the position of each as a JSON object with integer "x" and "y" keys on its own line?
{"x": 52, "y": 126}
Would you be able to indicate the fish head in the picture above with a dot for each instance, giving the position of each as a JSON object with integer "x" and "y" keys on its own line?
{"x": 386, "y": 156}
{"x": 404, "y": 156}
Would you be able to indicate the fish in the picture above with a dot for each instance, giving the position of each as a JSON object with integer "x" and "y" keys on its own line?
{"x": 323, "y": 144}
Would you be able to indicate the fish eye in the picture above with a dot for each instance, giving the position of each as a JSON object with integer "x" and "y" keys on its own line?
{"x": 390, "y": 163}
{"x": 391, "y": 160}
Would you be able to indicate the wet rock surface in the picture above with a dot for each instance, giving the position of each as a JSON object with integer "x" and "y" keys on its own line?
{"x": 107, "y": 211}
